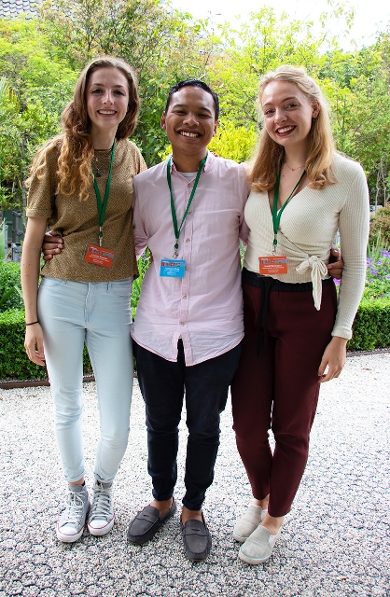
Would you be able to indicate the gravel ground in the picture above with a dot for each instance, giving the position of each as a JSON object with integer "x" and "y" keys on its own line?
{"x": 335, "y": 543}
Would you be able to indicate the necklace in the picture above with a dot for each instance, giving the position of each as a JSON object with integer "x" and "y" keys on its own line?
{"x": 293, "y": 169}
{"x": 104, "y": 154}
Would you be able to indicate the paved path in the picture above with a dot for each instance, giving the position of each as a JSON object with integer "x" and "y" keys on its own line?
{"x": 335, "y": 544}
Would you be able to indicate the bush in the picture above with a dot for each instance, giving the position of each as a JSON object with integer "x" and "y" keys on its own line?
{"x": 371, "y": 328}
{"x": 143, "y": 264}
{"x": 10, "y": 289}
{"x": 378, "y": 275}
{"x": 380, "y": 226}
{"x": 13, "y": 359}
{"x": 14, "y": 362}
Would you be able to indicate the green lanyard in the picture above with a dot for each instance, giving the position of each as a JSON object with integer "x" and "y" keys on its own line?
{"x": 275, "y": 214}
{"x": 177, "y": 229}
{"x": 102, "y": 206}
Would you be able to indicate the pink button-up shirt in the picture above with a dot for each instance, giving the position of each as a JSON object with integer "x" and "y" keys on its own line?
{"x": 204, "y": 308}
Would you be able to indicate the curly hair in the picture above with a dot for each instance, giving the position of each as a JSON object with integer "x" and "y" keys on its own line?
{"x": 74, "y": 144}
{"x": 269, "y": 155}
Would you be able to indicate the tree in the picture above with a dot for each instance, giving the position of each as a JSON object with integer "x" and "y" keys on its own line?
{"x": 234, "y": 143}
{"x": 41, "y": 59}
{"x": 162, "y": 44}
{"x": 357, "y": 86}
{"x": 34, "y": 92}
{"x": 9, "y": 142}
{"x": 264, "y": 43}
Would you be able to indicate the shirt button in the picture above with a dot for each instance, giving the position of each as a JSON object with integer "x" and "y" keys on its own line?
{"x": 182, "y": 323}
{"x": 184, "y": 296}
{"x": 187, "y": 240}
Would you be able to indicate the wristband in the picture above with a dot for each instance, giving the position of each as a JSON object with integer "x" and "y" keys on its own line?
{"x": 32, "y": 323}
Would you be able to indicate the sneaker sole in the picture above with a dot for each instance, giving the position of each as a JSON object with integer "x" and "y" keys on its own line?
{"x": 240, "y": 538}
{"x": 68, "y": 538}
{"x": 99, "y": 532}
{"x": 252, "y": 561}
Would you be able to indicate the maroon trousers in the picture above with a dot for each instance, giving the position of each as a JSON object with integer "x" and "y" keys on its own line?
{"x": 277, "y": 388}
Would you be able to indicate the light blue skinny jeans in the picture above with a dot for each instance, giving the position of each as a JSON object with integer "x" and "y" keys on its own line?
{"x": 99, "y": 314}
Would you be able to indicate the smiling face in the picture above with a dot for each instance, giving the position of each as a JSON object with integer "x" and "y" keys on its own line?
{"x": 190, "y": 125}
{"x": 288, "y": 114}
{"x": 107, "y": 99}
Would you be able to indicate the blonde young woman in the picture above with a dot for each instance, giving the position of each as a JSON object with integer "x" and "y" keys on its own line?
{"x": 295, "y": 329}
{"x": 81, "y": 187}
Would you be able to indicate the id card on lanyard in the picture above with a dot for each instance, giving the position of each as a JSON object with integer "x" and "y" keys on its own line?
{"x": 172, "y": 268}
{"x": 98, "y": 255}
{"x": 175, "y": 268}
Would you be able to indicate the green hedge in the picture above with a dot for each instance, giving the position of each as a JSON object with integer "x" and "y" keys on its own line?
{"x": 371, "y": 330}
{"x": 13, "y": 359}
{"x": 10, "y": 291}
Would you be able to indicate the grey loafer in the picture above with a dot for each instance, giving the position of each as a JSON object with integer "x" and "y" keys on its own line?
{"x": 146, "y": 524}
{"x": 196, "y": 539}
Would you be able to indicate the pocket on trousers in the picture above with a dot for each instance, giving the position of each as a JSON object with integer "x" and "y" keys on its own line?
{"x": 53, "y": 282}
{"x": 121, "y": 288}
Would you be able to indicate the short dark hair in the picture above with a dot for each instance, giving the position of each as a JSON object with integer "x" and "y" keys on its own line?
{"x": 193, "y": 83}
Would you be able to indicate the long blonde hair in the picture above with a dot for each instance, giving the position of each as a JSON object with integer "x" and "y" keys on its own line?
{"x": 74, "y": 144}
{"x": 269, "y": 155}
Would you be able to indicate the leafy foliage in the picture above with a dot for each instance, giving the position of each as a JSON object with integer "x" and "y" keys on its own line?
{"x": 143, "y": 265}
{"x": 40, "y": 61}
{"x": 162, "y": 45}
{"x": 371, "y": 328}
{"x": 378, "y": 276}
{"x": 33, "y": 92}
{"x": 380, "y": 226}
{"x": 234, "y": 142}
{"x": 10, "y": 289}
{"x": 13, "y": 360}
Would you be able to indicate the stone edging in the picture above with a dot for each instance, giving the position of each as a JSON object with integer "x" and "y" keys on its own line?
{"x": 31, "y": 383}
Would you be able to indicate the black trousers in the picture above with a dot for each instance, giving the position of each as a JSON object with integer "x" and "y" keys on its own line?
{"x": 205, "y": 386}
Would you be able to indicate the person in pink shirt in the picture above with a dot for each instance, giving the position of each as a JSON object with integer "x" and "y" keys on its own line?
{"x": 189, "y": 324}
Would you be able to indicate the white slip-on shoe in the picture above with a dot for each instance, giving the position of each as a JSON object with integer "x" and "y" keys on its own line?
{"x": 258, "y": 547}
{"x": 248, "y": 522}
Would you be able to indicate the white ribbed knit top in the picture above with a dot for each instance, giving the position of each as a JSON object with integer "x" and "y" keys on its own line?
{"x": 307, "y": 228}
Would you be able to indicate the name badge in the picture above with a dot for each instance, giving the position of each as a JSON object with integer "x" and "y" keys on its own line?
{"x": 172, "y": 268}
{"x": 99, "y": 256}
{"x": 275, "y": 264}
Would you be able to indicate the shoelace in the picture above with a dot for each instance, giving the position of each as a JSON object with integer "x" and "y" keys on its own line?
{"x": 74, "y": 508}
{"x": 101, "y": 503}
